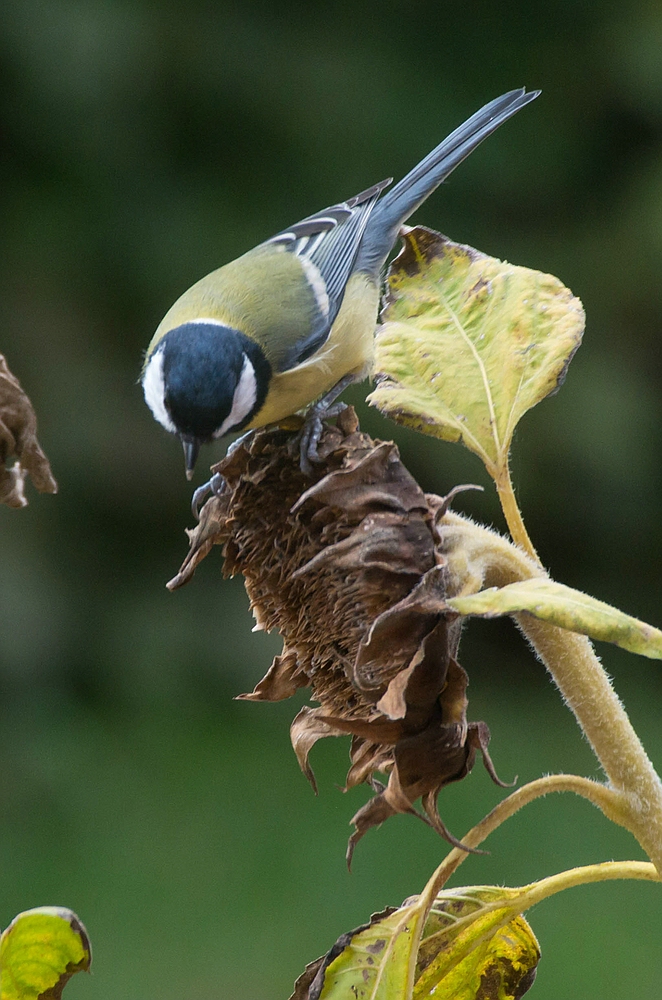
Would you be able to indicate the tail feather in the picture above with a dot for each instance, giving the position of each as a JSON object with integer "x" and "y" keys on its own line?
{"x": 400, "y": 202}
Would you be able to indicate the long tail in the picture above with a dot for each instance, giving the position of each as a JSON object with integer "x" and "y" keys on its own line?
{"x": 400, "y": 202}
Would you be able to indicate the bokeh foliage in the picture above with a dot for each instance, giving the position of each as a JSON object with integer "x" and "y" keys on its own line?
{"x": 143, "y": 145}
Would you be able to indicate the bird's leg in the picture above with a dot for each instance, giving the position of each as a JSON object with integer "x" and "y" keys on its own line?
{"x": 215, "y": 485}
{"x": 307, "y": 440}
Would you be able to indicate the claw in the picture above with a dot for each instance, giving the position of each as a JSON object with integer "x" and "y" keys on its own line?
{"x": 307, "y": 440}
{"x": 215, "y": 486}
{"x": 238, "y": 442}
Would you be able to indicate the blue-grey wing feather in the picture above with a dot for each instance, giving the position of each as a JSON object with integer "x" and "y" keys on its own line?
{"x": 358, "y": 234}
{"x": 330, "y": 241}
{"x": 402, "y": 200}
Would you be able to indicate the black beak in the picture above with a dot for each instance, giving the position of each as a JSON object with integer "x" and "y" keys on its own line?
{"x": 191, "y": 448}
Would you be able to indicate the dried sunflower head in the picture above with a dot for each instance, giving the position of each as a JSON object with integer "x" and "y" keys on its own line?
{"x": 349, "y": 570}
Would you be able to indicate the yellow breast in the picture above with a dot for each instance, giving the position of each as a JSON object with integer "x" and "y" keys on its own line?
{"x": 348, "y": 350}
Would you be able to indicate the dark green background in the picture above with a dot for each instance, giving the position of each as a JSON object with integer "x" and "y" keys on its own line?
{"x": 143, "y": 145}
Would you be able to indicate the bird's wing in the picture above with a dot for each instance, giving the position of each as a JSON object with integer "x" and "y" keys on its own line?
{"x": 327, "y": 244}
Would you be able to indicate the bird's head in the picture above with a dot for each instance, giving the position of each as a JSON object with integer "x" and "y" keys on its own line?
{"x": 202, "y": 380}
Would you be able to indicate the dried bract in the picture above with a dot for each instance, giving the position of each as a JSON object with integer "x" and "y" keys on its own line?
{"x": 18, "y": 440}
{"x": 346, "y": 569}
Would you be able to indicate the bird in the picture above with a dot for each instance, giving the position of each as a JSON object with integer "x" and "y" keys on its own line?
{"x": 293, "y": 320}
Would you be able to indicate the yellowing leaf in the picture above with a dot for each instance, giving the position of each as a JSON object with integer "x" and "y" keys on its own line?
{"x": 470, "y": 343}
{"x": 493, "y": 957}
{"x": 470, "y": 947}
{"x": 569, "y": 609}
{"x": 459, "y": 944}
{"x": 40, "y": 951}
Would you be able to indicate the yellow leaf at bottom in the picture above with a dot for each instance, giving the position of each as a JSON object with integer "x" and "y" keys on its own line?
{"x": 485, "y": 959}
{"x": 471, "y": 948}
{"x": 377, "y": 963}
{"x": 40, "y": 951}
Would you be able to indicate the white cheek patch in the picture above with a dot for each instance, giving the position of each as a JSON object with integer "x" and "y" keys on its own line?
{"x": 154, "y": 390}
{"x": 317, "y": 283}
{"x": 243, "y": 400}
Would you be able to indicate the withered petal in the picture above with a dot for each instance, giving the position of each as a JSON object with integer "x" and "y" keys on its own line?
{"x": 478, "y": 737}
{"x": 367, "y": 759}
{"x": 377, "y": 481}
{"x": 210, "y": 531}
{"x": 429, "y": 803}
{"x": 379, "y": 729}
{"x": 283, "y": 678}
{"x": 12, "y": 486}
{"x": 392, "y": 703}
{"x": 373, "y": 813}
{"x": 386, "y": 541}
{"x": 396, "y": 795}
{"x": 428, "y": 679}
{"x": 305, "y": 731}
{"x": 396, "y": 634}
{"x": 379, "y": 809}
{"x": 433, "y": 757}
{"x": 454, "y": 699}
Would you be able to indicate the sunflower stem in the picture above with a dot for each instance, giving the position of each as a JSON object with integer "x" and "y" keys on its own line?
{"x": 587, "y": 690}
{"x": 514, "y": 520}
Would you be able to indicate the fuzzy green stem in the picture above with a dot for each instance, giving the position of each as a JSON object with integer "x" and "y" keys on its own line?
{"x": 511, "y": 511}
{"x": 606, "y": 799}
{"x": 587, "y": 691}
{"x": 478, "y": 558}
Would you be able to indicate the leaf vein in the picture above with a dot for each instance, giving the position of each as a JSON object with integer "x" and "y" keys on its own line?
{"x": 481, "y": 367}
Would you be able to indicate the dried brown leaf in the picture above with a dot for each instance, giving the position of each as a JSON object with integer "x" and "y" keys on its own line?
{"x": 282, "y": 680}
{"x": 209, "y": 532}
{"x": 306, "y": 729}
{"x": 18, "y": 441}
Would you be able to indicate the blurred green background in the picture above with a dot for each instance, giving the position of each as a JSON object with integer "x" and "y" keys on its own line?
{"x": 142, "y": 145}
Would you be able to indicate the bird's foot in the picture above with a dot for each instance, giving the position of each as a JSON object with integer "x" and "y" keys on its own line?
{"x": 215, "y": 486}
{"x": 307, "y": 440}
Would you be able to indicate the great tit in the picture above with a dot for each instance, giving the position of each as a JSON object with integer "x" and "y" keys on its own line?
{"x": 269, "y": 333}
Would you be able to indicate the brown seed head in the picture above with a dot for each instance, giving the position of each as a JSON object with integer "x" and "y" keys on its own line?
{"x": 346, "y": 569}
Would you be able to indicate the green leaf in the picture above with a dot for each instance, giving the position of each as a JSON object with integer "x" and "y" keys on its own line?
{"x": 40, "y": 951}
{"x": 569, "y": 609}
{"x": 379, "y": 961}
{"x": 470, "y": 343}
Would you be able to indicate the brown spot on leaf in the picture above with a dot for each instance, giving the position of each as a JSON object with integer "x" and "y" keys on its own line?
{"x": 310, "y": 983}
{"x": 422, "y": 245}
{"x": 506, "y": 979}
